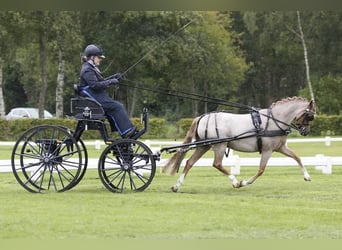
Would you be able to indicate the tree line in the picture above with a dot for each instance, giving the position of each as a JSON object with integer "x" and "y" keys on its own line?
{"x": 254, "y": 58}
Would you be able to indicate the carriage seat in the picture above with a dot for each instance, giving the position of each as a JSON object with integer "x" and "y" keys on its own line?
{"x": 86, "y": 108}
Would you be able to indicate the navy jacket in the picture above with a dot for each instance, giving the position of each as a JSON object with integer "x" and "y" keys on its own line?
{"x": 94, "y": 84}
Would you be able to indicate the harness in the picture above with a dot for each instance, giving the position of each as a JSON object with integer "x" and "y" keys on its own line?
{"x": 258, "y": 132}
{"x": 256, "y": 119}
{"x": 214, "y": 113}
{"x": 207, "y": 125}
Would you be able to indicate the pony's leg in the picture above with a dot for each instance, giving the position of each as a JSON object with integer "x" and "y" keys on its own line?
{"x": 189, "y": 163}
{"x": 265, "y": 156}
{"x": 288, "y": 152}
{"x": 219, "y": 153}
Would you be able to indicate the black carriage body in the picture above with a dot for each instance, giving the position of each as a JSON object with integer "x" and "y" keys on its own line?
{"x": 53, "y": 158}
{"x": 90, "y": 116}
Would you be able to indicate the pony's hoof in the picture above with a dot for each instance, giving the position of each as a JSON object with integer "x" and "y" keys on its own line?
{"x": 306, "y": 176}
{"x": 243, "y": 183}
{"x": 174, "y": 189}
{"x": 236, "y": 185}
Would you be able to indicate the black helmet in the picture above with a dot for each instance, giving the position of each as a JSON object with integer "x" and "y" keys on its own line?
{"x": 93, "y": 50}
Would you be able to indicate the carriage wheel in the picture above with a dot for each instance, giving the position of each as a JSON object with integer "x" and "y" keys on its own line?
{"x": 48, "y": 158}
{"x": 84, "y": 165}
{"x": 126, "y": 165}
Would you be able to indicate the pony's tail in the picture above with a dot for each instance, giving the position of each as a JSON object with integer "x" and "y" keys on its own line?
{"x": 174, "y": 162}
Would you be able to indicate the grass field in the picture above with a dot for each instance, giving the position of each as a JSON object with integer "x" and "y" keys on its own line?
{"x": 280, "y": 205}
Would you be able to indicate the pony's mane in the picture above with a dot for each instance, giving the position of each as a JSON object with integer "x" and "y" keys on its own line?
{"x": 288, "y": 99}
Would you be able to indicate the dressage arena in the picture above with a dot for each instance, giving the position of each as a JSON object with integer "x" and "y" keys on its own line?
{"x": 280, "y": 205}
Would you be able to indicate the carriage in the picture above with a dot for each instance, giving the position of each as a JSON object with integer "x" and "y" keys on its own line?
{"x": 54, "y": 158}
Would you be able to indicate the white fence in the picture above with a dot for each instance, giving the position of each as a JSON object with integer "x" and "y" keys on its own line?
{"x": 321, "y": 162}
{"x": 158, "y": 144}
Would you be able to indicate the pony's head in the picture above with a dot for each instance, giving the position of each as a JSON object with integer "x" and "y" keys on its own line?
{"x": 304, "y": 119}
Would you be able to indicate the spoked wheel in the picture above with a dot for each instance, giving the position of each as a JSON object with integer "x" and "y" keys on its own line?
{"x": 127, "y": 165}
{"x": 84, "y": 154}
{"x": 48, "y": 158}
{"x": 84, "y": 165}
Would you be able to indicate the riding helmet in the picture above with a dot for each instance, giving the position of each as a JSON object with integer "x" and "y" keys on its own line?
{"x": 93, "y": 50}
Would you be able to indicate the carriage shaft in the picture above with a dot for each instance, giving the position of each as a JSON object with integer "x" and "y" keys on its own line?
{"x": 207, "y": 142}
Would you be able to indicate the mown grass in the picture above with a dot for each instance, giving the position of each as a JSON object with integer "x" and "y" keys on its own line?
{"x": 280, "y": 205}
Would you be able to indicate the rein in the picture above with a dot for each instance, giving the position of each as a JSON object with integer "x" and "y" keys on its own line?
{"x": 181, "y": 94}
{"x": 255, "y": 114}
{"x": 252, "y": 110}
{"x": 277, "y": 121}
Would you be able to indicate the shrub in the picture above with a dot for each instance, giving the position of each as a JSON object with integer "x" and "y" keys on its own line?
{"x": 156, "y": 127}
{"x": 184, "y": 125}
{"x": 324, "y": 125}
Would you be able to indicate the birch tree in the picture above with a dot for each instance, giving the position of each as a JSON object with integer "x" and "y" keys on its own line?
{"x": 60, "y": 84}
{"x": 10, "y": 37}
{"x": 42, "y": 63}
{"x": 305, "y": 51}
{"x": 53, "y": 41}
{"x": 68, "y": 40}
{"x": 2, "y": 102}
{"x": 3, "y": 32}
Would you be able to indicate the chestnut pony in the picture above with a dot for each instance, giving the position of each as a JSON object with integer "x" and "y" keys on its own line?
{"x": 263, "y": 130}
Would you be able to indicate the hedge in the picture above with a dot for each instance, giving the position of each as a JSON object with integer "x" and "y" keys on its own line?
{"x": 158, "y": 127}
{"x": 324, "y": 125}
{"x": 13, "y": 129}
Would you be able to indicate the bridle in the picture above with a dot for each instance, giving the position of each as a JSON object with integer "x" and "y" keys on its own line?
{"x": 300, "y": 124}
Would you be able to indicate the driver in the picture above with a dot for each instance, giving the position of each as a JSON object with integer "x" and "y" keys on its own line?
{"x": 95, "y": 86}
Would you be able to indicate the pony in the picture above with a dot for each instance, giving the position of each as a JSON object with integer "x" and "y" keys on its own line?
{"x": 263, "y": 130}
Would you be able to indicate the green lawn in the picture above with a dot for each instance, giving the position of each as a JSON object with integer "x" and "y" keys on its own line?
{"x": 279, "y": 205}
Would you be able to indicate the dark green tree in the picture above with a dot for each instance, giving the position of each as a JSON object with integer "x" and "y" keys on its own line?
{"x": 274, "y": 54}
{"x": 10, "y": 39}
